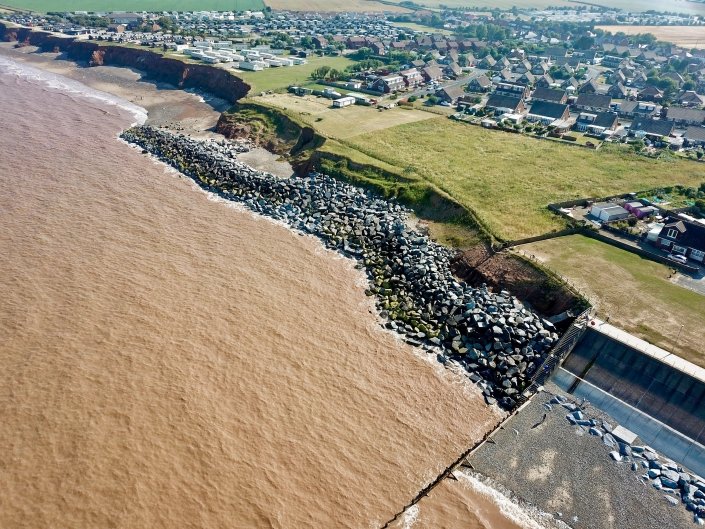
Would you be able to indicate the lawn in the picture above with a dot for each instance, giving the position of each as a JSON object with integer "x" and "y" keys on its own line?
{"x": 509, "y": 179}
{"x": 636, "y": 293}
{"x": 44, "y": 6}
{"x": 335, "y": 122}
{"x": 280, "y": 78}
{"x": 686, "y": 36}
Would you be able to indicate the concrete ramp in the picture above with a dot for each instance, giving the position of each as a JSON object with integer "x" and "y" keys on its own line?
{"x": 650, "y": 391}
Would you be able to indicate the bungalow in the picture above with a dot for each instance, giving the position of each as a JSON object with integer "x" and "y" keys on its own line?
{"x": 487, "y": 63}
{"x": 650, "y": 93}
{"x": 545, "y": 80}
{"x": 450, "y": 94}
{"x": 480, "y": 84}
{"x": 617, "y": 91}
{"x": 388, "y": 84}
{"x": 654, "y": 128}
{"x": 694, "y": 136}
{"x": 412, "y": 77}
{"x": 432, "y": 73}
{"x": 505, "y": 104}
{"x": 453, "y": 70}
{"x": 608, "y": 212}
{"x": 686, "y": 116}
{"x": 593, "y": 102}
{"x": 596, "y": 123}
{"x": 589, "y": 87}
{"x": 550, "y": 95}
{"x": 527, "y": 79}
{"x": 691, "y": 98}
{"x": 683, "y": 237}
{"x": 547, "y": 112}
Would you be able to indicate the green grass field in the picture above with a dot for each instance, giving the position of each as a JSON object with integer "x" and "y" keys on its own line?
{"x": 634, "y": 292}
{"x": 44, "y": 6}
{"x": 509, "y": 179}
{"x": 279, "y": 78}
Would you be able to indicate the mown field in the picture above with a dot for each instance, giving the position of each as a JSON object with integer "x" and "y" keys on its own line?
{"x": 508, "y": 179}
{"x": 44, "y": 6}
{"x": 336, "y": 122}
{"x": 333, "y": 5}
{"x": 686, "y": 36}
{"x": 279, "y": 78}
{"x": 636, "y": 293}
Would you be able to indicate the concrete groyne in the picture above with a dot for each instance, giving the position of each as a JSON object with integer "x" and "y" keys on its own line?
{"x": 492, "y": 336}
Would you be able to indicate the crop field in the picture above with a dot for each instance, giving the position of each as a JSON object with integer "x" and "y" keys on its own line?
{"x": 333, "y": 5}
{"x": 680, "y": 6}
{"x": 636, "y": 293}
{"x": 279, "y": 78}
{"x": 44, "y": 6}
{"x": 509, "y": 179}
{"x": 686, "y": 36}
{"x": 336, "y": 122}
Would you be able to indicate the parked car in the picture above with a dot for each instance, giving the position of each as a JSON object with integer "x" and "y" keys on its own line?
{"x": 682, "y": 259}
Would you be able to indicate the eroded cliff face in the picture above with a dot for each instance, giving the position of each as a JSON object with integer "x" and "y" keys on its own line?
{"x": 215, "y": 81}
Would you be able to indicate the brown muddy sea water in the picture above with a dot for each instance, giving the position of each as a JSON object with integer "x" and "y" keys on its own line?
{"x": 169, "y": 361}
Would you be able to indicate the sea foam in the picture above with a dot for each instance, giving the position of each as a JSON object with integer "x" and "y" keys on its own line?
{"x": 59, "y": 83}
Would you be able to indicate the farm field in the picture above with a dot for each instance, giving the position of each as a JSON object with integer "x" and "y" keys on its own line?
{"x": 686, "y": 36}
{"x": 336, "y": 122}
{"x": 636, "y": 293}
{"x": 681, "y": 6}
{"x": 44, "y": 6}
{"x": 278, "y": 78}
{"x": 509, "y": 179}
{"x": 333, "y": 5}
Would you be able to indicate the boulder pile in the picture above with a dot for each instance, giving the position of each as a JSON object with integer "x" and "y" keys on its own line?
{"x": 499, "y": 342}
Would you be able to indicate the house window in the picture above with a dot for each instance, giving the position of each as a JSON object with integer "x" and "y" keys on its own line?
{"x": 672, "y": 233}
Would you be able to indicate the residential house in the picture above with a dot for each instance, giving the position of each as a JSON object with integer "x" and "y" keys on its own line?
{"x": 547, "y": 112}
{"x": 432, "y": 73}
{"x": 545, "y": 81}
{"x": 453, "y": 70}
{"x": 694, "y": 136}
{"x": 480, "y": 84}
{"x": 512, "y": 89}
{"x": 593, "y": 102}
{"x": 527, "y": 79}
{"x": 589, "y": 87}
{"x": 630, "y": 109}
{"x": 487, "y": 62}
{"x": 412, "y": 77}
{"x": 690, "y": 98}
{"x": 683, "y": 237}
{"x": 617, "y": 91}
{"x": 388, "y": 84}
{"x": 650, "y": 93}
{"x": 450, "y": 94}
{"x": 596, "y": 124}
{"x": 550, "y": 95}
{"x": 505, "y": 104}
{"x": 686, "y": 116}
{"x": 652, "y": 128}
